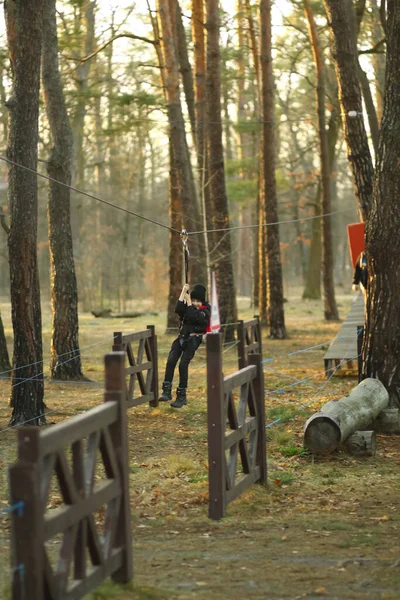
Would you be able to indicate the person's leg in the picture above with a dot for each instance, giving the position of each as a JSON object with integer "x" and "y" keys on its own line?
{"x": 173, "y": 357}
{"x": 189, "y": 350}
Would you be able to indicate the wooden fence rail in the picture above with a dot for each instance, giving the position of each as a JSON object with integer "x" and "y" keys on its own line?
{"x": 142, "y": 360}
{"x": 249, "y": 338}
{"x": 93, "y": 517}
{"x": 246, "y": 428}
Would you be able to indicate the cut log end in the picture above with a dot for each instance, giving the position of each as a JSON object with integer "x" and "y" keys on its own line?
{"x": 322, "y": 435}
{"x": 388, "y": 421}
{"x": 361, "y": 443}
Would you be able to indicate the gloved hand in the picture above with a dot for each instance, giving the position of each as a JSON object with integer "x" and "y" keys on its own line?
{"x": 355, "y": 287}
{"x": 184, "y": 292}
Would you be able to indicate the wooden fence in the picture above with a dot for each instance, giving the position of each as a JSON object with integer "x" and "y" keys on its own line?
{"x": 142, "y": 361}
{"x": 249, "y": 338}
{"x": 246, "y": 428}
{"x": 83, "y": 557}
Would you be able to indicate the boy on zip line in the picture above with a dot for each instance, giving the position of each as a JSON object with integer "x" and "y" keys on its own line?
{"x": 194, "y": 313}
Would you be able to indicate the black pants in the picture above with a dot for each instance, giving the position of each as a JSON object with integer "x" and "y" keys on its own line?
{"x": 184, "y": 350}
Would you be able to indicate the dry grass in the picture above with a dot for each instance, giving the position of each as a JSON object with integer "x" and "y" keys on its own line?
{"x": 322, "y": 528}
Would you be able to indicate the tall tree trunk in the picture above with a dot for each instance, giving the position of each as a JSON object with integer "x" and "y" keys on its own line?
{"x": 219, "y": 199}
{"x": 186, "y": 70}
{"x": 370, "y": 108}
{"x": 261, "y": 254}
{"x": 381, "y": 349}
{"x": 175, "y": 246}
{"x": 259, "y": 266}
{"x": 24, "y": 33}
{"x": 313, "y": 281}
{"x": 5, "y": 365}
{"x": 276, "y": 315}
{"x": 78, "y": 120}
{"x": 330, "y": 308}
{"x": 198, "y": 28}
{"x": 378, "y": 60}
{"x": 65, "y": 356}
{"x": 189, "y": 209}
{"x": 241, "y": 81}
{"x": 343, "y": 33}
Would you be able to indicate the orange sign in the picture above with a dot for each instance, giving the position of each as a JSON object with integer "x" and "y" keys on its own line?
{"x": 355, "y": 232}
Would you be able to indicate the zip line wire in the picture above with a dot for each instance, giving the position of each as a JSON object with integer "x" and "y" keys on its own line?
{"x": 130, "y": 212}
{"x": 88, "y": 194}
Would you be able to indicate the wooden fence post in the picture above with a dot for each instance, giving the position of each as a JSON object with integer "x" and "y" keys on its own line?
{"x": 360, "y": 338}
{"x": 154, "y": 353}
{"x": 258, "y": 386}
{"x": 27, "y": 525}
{"x": 216, "y": 428}
{"x": 242, "y": 362}
{"x": 259, "y": 334}
{"x": 115, "y": 391}
{"x": 117, "y": 342}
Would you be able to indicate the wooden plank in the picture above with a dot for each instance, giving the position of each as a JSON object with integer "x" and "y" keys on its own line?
{"x": 139, "y": 400}
{"x": 251, "y": 323}
{"x": 236, "y": 380}
{"x": 253, "y": 347}
{"x": 27, "y": 532}
{"x": 233, "y": 437}
{"x": 153, "y": 356}
{"x": 216, "y": 428}
{"x": 62, "y": 518}
{"x": 134, "y": 337}
{"x": 132, "y": 370}
{"x": 78, "y": 589}
{"x": 76, "y": 428}
{"x": 259, "y": 401}
{"x": 114, "y": 380}
{"x": 242, "y": 485}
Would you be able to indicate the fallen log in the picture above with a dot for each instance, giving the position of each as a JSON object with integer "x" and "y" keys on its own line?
{"x": 361, "y": 443}
{"x": 388, "y": 421}
{"x": 107, "y": 314}
{"x": 338, "y": 419}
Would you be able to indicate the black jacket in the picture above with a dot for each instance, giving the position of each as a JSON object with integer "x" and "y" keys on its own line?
{"x": 360, "y": 274}
{"x": 193, "y": 320}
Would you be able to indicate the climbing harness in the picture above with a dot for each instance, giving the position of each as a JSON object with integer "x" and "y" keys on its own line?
{"x": 186, "y": 254}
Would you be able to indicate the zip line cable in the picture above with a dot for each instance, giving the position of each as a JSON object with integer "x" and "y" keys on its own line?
{"x": 225, "y": 229}
{"x": 130, "y": 212}
{"x": 88, "y": 194}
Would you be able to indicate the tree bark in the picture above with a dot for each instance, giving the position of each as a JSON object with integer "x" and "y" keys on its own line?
{"x": 276, "y": 316}
{"x": 219, "y": 199}
{"x": 330, "y": 307}
{"x": 378, "y": 60}
{"x": 78, "y": 119}
{"x": 5, "y": 365}
{"x": 381, "y": 348}
{"x": 183, "y": 177}
{"x": 65, "y": 356}
{"x": 361, "y": 443}
{"x": 186, "y": 70}
{"x": 24, "y": 33}
{"x": 344, "y": 44}
{"x": 198, "y": 28}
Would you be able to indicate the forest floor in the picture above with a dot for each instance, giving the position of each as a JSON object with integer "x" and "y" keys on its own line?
{"x": 322, "y": 528}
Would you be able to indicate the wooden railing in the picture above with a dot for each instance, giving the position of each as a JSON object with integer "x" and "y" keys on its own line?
{"x": 46, "y": 567}
{"x": 249, "y": 338}
{"x": 245, "y": 421}
{"x": 142, "y": 369}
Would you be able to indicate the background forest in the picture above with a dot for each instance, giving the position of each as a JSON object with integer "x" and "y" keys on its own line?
{"x": 114, "y": 95}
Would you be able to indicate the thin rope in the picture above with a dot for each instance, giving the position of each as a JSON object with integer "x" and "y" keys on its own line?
{"x": 269, "y": 224}
{"x": 88, "y": 194}
{"x": 130, "y": 212}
